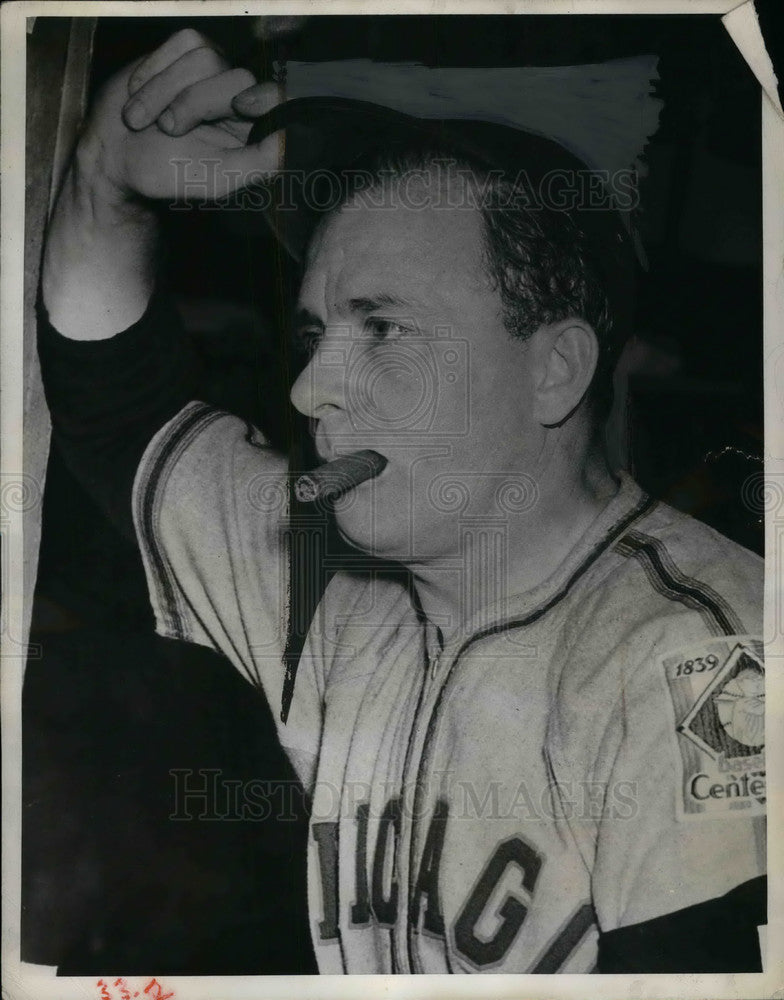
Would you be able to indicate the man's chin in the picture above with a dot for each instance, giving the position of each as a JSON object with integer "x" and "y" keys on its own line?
{"x": 361, "y": 532}
{"x": 364, "y": 527}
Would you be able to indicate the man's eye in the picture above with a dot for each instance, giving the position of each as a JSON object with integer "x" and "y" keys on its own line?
{"x": 385, "y": 329}
{"x": 307, "y": 340}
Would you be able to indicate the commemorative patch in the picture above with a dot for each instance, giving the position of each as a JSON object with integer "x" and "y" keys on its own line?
{"x": 717, "y": 691}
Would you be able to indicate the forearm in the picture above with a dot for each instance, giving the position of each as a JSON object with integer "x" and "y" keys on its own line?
{"x": 109, "y": 397}
{"x": 116, "y": 365}
{"x": 99, "y": 262}
{"x": 115, "y": 361}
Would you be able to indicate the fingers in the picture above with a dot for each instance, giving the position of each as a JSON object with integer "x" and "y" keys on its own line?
{"x": 171, "y": 50}
{"x": 257, "y": 100}
{"x": 154, "y": 96}
{"x": 207, "y": 100}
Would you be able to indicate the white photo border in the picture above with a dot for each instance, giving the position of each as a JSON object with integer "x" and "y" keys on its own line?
{"x": 22, "y": 981}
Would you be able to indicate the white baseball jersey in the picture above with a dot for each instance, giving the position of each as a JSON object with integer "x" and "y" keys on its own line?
{"x": 589, "y": 758}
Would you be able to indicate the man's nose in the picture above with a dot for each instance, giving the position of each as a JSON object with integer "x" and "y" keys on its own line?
{"x": 320, "y": 386}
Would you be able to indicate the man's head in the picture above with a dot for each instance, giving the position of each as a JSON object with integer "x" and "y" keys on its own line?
{"x": 553, "y": 246}
{"x": 463, "y": 323}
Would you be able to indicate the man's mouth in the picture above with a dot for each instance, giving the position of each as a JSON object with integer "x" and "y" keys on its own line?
{"x": 326, "y": 449}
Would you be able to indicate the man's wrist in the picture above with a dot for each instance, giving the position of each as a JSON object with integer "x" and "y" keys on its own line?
{"x": 97, "y": 196}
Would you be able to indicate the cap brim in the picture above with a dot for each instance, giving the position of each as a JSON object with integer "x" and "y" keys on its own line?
{"x": 326, "y": 136}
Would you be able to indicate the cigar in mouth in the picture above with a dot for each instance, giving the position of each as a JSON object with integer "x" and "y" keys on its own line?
{"x": 333, "y": 479}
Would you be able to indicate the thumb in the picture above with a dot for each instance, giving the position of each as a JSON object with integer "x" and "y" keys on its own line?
{"x": 249, "y": 166}
{"x": 257, "y": 100}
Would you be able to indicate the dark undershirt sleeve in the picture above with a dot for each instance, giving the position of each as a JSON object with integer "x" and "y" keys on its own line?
{"x": 109, "y": 397}
{"x": 719, "y": 935}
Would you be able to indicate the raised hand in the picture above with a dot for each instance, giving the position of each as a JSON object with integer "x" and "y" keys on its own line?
{"x": 175, "y": 107}
{"x": 150, "y": 131}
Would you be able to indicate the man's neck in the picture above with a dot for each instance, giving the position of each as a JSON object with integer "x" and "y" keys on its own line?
{"x": 499, "y": 559}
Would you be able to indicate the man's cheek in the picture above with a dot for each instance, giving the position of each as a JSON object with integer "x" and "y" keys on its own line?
{"x": 385, "y": 391}
{"x": 410, "y": 388}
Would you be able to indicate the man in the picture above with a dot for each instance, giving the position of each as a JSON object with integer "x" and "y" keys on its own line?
{"x": 531, "y": 730}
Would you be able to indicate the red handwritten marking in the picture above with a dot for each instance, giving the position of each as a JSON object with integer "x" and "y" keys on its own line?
{"x": 120, "y": 991}
{"x": 160, "y": 995}
{"x": 125, "y": 993}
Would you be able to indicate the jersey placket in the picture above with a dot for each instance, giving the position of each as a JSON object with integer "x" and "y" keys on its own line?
{"x": 432, "y": 678}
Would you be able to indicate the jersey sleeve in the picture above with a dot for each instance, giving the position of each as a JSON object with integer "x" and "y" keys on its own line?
{"x": 662, "y": 734}
{"x": 683, "y": 818}
{"x": 210, "y": 507}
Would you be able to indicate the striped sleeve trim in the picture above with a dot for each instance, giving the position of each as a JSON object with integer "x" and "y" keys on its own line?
{"x": 153, "y": 475}
{"x": 665, "y": 577}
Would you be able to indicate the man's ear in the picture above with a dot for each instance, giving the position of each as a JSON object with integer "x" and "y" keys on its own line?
{"x": 567, "y": 355}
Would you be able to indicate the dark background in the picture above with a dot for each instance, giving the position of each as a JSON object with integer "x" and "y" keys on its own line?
{"x": 109, "y": 883}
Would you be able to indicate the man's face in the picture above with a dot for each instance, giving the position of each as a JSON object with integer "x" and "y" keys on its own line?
{"x": 412, "y": 359}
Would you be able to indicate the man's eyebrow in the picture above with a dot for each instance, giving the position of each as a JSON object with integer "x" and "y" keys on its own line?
{"x": 383, "y": 300}
{"x": 305, "y": 319}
